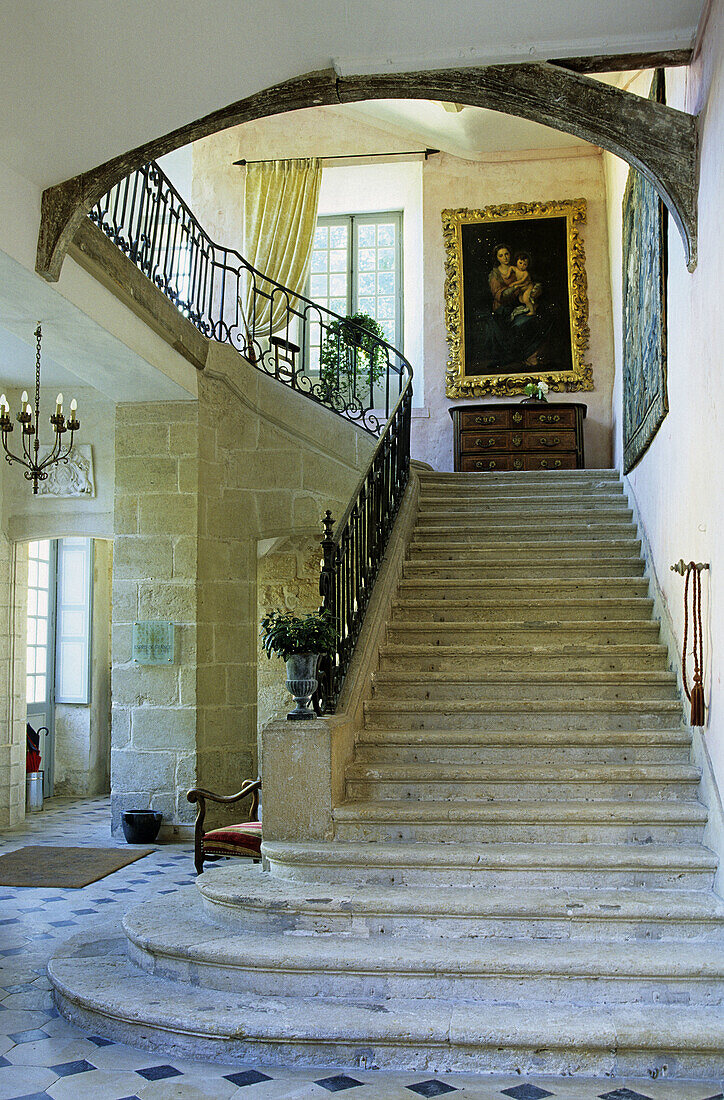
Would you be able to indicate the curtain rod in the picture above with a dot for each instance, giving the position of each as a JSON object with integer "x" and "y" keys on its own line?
{"x": 348, "y": 156}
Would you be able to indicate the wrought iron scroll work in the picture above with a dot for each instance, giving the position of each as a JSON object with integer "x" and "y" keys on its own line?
{"x": 352, "y": 552}
{"x": 149, "y": 221}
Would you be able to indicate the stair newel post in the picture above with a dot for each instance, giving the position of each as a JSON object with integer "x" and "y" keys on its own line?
{"x": 328, "y": 593}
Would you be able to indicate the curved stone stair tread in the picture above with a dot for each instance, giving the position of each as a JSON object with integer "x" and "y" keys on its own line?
{"x": 544, "y": 738}
{"x": 538, "y": 810}
{"x": 154, "y": 1013}
{"x": 230, "y": 889}
{"x": 505, "y": 706}
{"x": 625, "y": 676}
{"x": 510, "y": 772}
{"x": 676, "y": 857}
{"x": 173, "y": 929}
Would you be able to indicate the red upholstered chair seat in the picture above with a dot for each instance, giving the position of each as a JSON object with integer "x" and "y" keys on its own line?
{"x": 234, "y": 840}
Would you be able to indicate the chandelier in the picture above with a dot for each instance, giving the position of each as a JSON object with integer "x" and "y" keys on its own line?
{"x": 36, "y": 467}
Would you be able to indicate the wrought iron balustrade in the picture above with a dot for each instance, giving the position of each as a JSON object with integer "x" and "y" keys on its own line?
{"x": 352, "y": 551}
{"x": 228, "y": 300}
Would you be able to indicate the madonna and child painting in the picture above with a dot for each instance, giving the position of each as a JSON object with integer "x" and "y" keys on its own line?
{"x": 516, "y": 304}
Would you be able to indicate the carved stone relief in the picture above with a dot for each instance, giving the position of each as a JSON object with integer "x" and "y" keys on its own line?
{"x": 72, "y": 477}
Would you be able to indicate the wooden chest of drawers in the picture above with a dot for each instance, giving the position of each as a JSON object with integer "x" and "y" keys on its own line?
{"x": 520, "y": 436}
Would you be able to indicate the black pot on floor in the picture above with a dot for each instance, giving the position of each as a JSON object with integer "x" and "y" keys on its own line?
{"x": 141, "y": 826}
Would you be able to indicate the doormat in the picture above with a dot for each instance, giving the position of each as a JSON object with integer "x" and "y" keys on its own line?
{"x": 70, "y": 868}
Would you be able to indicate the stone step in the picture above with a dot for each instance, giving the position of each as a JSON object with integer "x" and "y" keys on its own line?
{"x": 535, "y": 629}
{"x": 538, "y": 822}
{"x": 444, "y": 603}
{"x": 449, "y": 507}
{"x": 531, "y": 687}
{"x": 563, "y": 577}
{"x": 503, "y": 534}
{"x": 612, "y": 491}
{"x": 509, "y": 781}
{"x": 525, "y": 746}
{"x": 550, "y": 658}
{"x": 550, "y": 865}
{"x": 568, "y": 518}
{"x": 578, "y": 714}
{"x": 245, "y": 897}
{"x": 168, "y": 936}
{"x": 106, "y": 995}
{"x": 526, "y": 554}
{"x": 537, "y": 478}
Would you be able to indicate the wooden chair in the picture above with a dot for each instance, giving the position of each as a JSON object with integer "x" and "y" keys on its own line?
{"x": 229, "y": 840}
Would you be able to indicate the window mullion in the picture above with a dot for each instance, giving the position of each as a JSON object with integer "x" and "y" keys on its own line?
{"x": 352, "y": 292}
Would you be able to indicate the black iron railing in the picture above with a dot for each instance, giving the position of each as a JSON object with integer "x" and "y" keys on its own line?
{"x": 352, "y": 553}
{"x": 286, "y": 335}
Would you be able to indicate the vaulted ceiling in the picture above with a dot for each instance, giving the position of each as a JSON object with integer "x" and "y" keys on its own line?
{"x": 84, "y": 80}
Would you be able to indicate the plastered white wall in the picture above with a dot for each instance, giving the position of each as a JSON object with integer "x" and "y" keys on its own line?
{"x": 449, "y": 182}
{"x": 677, "y": 484}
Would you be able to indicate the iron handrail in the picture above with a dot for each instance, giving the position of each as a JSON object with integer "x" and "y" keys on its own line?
{"x": 362, "y": 375}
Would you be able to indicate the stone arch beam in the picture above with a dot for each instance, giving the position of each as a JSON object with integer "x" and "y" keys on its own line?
{"x": 657, "y": 140}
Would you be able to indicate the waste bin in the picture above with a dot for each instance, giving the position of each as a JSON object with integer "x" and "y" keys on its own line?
{"x": 33, "y": 791}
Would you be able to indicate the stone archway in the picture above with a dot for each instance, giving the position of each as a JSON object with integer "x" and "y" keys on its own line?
{"x": 659, "y": 141}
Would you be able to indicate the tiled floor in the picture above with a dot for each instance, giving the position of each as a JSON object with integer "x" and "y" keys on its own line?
{"x": 43, "y": 1056}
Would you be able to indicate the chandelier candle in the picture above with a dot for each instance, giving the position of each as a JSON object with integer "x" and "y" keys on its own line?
{"x": 36, "y": 468}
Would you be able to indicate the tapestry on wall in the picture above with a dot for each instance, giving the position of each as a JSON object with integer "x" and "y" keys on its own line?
{"x": 645, "y": 398}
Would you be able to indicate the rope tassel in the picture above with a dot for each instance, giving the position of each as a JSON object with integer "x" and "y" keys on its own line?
{"x": 696, "y": 695}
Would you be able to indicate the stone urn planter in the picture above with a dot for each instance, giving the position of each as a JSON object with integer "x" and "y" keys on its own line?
{"x": 302, "y": 683}
{"x": 300, "y": 641}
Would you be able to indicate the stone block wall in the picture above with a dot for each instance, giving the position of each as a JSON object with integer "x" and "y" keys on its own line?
{"x": 13, "y": 609}
{"x": 153, "y": 738}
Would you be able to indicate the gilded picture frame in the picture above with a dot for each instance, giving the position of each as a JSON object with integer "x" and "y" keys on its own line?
{"x": 521, "y": 318}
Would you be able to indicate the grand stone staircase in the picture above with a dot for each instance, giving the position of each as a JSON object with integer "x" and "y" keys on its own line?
{"x": 517, "y": 879}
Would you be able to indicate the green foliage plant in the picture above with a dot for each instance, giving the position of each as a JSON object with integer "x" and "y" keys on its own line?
{"x": 346, "y": 347}
{"x": 284, "y": 634}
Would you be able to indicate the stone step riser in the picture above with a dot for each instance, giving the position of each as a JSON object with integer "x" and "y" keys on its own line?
{"x": 551, "y": 661}
{"x": 445, "y": 691}
{"x": 502, "y": 615}
{"x": 527, "y": 558}
{"x": 446, "y": 926}
{"x": 397, "y": 719}
{"x": 312, "y": 981}
{"x": 482, "y": 511}
{"x": 524, "y": 632}
{"x": 561, "y": 833}
{"x": 620, "y": 575}
{"x": 579, "y": 541}
{"x": 138, "y": 1026}
{"x": 558, "y": 755}
{"x": 520, "y": 789}
{"x": 501, "y": 527}
{"x": 485, "y": 878}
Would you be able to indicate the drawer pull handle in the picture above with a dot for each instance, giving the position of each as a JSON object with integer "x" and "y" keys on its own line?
{"x": 517, "y": 417}
{"x": 517, "y": 440}
{"x": 518, "y": 463}
{"x": 482, "y": 443}
{"x": 481, "y": 465}
{"x": 544, "y": 463}
{"x": 550, "y": 441}
{"x": 485, "y": 419}
{"x": 548, "y": 418}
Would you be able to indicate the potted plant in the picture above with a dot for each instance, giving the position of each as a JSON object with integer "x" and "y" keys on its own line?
{"x": 352, "y": 356}
{"x": 300, "y": 641}
{"x": 536, "y": 391}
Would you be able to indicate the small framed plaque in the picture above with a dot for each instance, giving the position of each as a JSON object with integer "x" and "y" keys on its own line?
{"x": 153, "y": 642}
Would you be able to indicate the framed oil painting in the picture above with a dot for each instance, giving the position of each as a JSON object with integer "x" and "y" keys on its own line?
{"x": 516, "y": 303}
{"x": 645, "y": 398}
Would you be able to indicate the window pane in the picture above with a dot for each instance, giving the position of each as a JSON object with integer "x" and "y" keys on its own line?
{"x": 366, "y": 236}
{"x": 386, "y": 283}
{"x": 365, "y": 283}
{"x": 338, "y": 261}
{"x": 30, "y": 689}
{"x": 318, "y": 286}
{"x": 32, "y": 572}
{"x": 385, "y": 235}
{"x": 366, "y": 259}
{"x": 32, "y": 630}
{"x": 385, "y": 309}
{"x": 319, "y": 261}
{"x": 44, "y": 550}
{"x": 386, "y": 259}
{"x": 338, "y": 236}
{"x": 32, "y": 601}
{"x": 41, "y": 631}
{"x": 367, "y": 305}
{"x": 321, "y": 236}
{"x": 338, "y": 305}
{"x": 338, "y": 285}
{"x": 42, "y": 604}
{"x": 42, "y": 574}
{"x": 39, "y": 689}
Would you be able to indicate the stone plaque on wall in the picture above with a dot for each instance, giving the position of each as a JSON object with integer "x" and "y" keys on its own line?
{"x": 153, "y": 642}
{"x": 71, "y": 477}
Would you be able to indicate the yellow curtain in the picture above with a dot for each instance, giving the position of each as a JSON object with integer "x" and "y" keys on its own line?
{"x": 280, "y": 216}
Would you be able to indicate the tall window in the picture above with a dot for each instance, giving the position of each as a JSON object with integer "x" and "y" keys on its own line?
{"x": 41, "y": 587}
{"x": 357, "y": 268}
